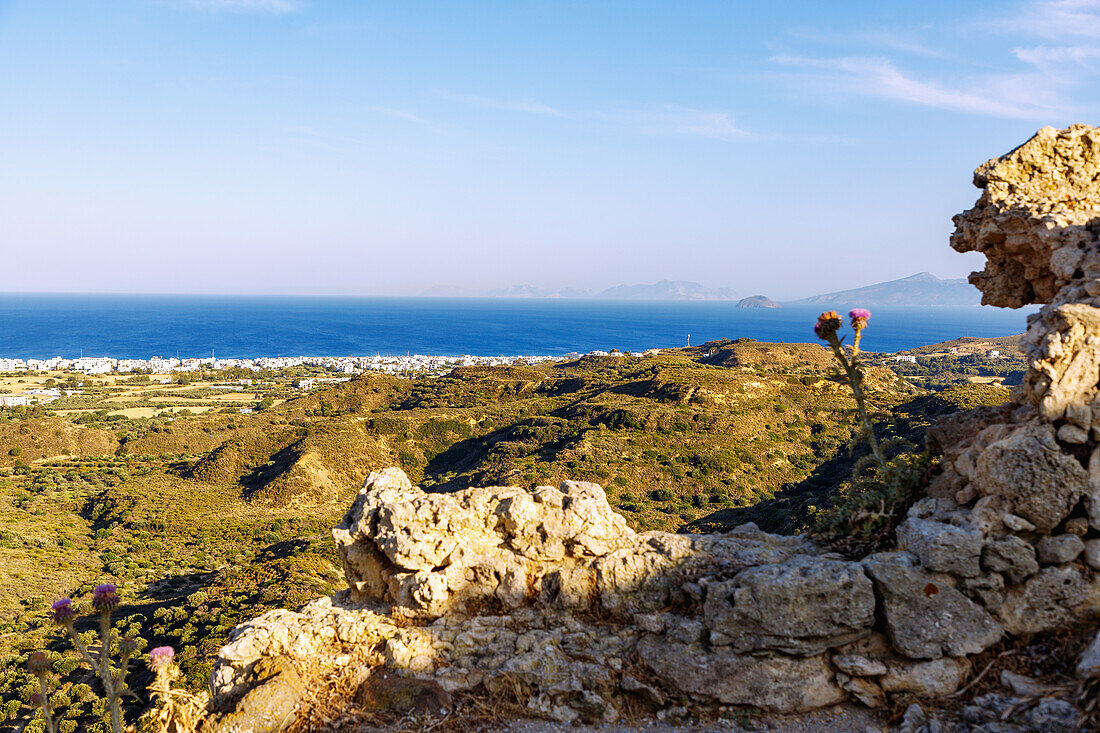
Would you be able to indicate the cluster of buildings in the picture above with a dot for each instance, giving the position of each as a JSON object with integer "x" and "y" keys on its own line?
{"x": 414, "y": 363}
{"x": 34, "y": 396}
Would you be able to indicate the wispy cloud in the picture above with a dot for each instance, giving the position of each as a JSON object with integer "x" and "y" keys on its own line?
{"x": 1041, "y": 82}
{"x": 401, "y": 114}
{"x": 1054, "y": 19}
{"x": 676, "y": 120}
{"x": 261, "y": 7}
{"x": 1017, "y": 96}
{"x": 504, "y": 105}
{"x": 655, "y": 119}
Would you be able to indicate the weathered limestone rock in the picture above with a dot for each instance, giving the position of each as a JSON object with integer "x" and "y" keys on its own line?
{"x": 1012, "y": 556}
{"x": 942, "y": 548}
{"x": 1033, "y": 219}
{"x": 777, "y": 683}
{"x": 1046, "y": 601}
{"x": 1089, "y": 663}
{"x": 266, "y": 701}
{"x": 927, "y": 618}
{"x": 1092, "y": 554}
{"x": 1033, "y": 475}
{"x": 857, "y": 665}
{"x": 925, "y": 679}
{"x": 1058, "y": 549}
{"x": 801, "y": 606}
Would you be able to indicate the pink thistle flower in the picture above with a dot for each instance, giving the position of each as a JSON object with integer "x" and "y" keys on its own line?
{"x": 859, "y": 317}
{"x": 105, "y": 597}
{"x": 161, "y": 656}
{"x": 63, "y": 611}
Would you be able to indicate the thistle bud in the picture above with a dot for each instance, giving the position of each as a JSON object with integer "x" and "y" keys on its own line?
{"x": 105, "y": 597}
{"x": 38, "y": 663}
{"x": 127, "y": 646}
{"x": 63, "y": 611}
{"x": 828, "y": 323}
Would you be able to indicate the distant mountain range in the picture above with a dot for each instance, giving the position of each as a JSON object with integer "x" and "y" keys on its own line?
{"x": 663, "y": 290}
{"x": 924, "y": 288}
{"x": 668, "y": 290}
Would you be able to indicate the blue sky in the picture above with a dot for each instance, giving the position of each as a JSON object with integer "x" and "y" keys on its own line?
{"x": 308, "y": 146}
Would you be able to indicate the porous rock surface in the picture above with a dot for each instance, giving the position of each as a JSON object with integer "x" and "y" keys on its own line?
{"x": 550, "y": 589}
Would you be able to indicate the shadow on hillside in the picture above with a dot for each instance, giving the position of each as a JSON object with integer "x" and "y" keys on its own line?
{"x": 788, "y": 510}
{"x": 280, "y": 462}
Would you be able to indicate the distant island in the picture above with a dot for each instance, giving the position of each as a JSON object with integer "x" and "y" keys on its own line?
{"x": 757, "y": 301}
{"x": 924, "y": 288}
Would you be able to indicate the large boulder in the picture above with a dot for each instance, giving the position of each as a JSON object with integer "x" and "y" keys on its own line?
{"x": 802, "y": 606}
{"x": 1046, "y": 601}
{"x": 1033, "y": 475}
{"x": 776, "y": 683}
{"x": 942, "y": 548}
{"x": 926, "y": 617}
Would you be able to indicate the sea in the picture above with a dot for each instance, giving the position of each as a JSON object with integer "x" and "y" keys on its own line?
{"x": 39, "y": 326}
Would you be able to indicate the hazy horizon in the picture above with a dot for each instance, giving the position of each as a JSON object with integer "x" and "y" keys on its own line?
{"x": 286, "y": 147}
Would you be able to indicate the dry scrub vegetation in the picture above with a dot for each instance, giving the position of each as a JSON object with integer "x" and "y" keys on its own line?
{"x": 206, "y": 520}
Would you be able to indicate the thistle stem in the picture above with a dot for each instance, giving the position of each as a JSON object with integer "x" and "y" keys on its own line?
{"x": 112, "y": 686}
{"x": 855, "y": 381}
{"x": 47, "y": 714}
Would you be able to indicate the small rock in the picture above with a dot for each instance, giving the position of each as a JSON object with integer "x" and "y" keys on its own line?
{"x": 858, "y": 665}
{"x": 987, "y": 589}
{"x": 866, "y": 691}
{"x": 1089, "y": 663}
{"x": 1019, "y": 684}
{"x": 1053, "y": 716}
{"x": 1059, "y": 549}
{"x": 1038, "y": 480}
{"x": 386, "y": 691}
{"x": 933, "y": 678}
{"x": 1017, "y": 523}
{"x": 1092, "y": 554}
{"x": 647, "y": 693}
{"x": 273, "y": 692}
{"x": 1011, "y": 556}
{"x": 966, "y": 495}
{"x": 1078, "y": 526}
{"x": 1070, "y": 433}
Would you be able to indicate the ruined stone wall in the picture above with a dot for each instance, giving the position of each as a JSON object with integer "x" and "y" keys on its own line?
{"x": 550, "y": 589}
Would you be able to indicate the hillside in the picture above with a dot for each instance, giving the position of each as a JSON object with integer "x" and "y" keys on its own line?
{"x": 921, "y": 289}
{"x": 204, "y": 520}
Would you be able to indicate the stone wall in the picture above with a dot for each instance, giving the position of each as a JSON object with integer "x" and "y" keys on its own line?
{"x": 549, "y": 589}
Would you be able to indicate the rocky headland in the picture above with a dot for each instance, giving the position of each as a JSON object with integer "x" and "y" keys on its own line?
{"x": 547, "y": 597}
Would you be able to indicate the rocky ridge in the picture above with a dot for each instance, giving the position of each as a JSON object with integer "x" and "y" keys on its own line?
{"x": 549, "y": 592}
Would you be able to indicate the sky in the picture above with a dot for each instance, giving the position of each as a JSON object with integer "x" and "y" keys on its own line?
{"x": 383, "y": 148}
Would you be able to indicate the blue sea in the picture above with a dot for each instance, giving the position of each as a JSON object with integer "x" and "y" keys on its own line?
{"x": 140, "y": 326}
